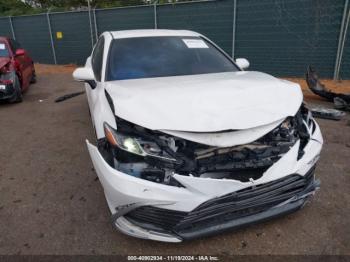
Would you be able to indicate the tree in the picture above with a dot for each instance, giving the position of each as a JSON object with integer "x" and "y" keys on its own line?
{"x": 14, "y": 7}
{"x": 69, "y": 4}
{"x": 20, "y": 7}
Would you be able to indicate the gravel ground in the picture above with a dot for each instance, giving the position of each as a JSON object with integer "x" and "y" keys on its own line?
{"x": 52, "y": 203}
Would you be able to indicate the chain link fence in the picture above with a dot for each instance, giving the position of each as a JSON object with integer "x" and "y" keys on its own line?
{"x": 280, "y": 37}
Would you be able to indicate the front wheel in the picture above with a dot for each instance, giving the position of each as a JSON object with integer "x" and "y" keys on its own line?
{"x": 18, "y": 91}
{"x": 33, "y": 79}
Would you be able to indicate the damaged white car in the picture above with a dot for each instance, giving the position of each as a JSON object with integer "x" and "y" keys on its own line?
{"x": 189, "y": 144}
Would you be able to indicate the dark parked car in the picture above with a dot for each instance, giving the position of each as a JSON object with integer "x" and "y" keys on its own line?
{"x": 16, "y": 70}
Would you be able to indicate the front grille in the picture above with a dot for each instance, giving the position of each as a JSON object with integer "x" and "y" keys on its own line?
{"x": 245, "y": 202}
{"x": 156, "y": 218}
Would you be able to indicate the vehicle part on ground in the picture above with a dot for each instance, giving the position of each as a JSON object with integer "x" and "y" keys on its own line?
{"x": 187, "y": 149}
{"x": 341, "y": 104}
{"x": 327, "y": 113}
{"x": 68, "y": 96}
{"x": 341, "y": 101}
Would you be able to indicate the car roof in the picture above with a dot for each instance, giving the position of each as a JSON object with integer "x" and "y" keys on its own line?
{"x": 152, "y": 32}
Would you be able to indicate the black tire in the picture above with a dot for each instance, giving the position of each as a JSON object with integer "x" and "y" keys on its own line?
{"x": 33, "y": 79}
{"x": 18, "y": 91}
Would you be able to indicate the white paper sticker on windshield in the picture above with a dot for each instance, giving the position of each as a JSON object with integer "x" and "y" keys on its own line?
{"x": 195, "y": 43}
{"x": 2, "y": 46}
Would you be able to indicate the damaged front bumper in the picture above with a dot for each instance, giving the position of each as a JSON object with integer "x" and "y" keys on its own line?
{"x": 7, "y": 90}
{"x": 238, "y": 209}
{"x": 204, "y": 206}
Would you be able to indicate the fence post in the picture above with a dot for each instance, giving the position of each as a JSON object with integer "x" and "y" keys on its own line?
{"x": 155, "y": 14}
{"x": 12, "y": 28}
{"x": 90, "y": 23}
{"x": 336, "y": 67}
{"x": 343, "y": 44}
{"x": 51, "y": 38}
{"x": 95, "y": 24}
{"x": 234, "y": 28}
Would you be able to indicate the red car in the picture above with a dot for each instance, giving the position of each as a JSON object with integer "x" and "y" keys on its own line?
{"x": 16, "y": 70}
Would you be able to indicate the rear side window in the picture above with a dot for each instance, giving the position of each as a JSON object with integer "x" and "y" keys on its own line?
{"x": 97, "y": 58}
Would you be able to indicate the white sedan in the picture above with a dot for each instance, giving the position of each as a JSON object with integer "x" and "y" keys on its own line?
{"x": 188, "y": 143}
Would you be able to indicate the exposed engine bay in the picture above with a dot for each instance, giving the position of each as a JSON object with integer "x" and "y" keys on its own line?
{"x": 156, "y": 156}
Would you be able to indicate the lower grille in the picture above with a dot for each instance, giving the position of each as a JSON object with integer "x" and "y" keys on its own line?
{"x": 7, "y": 92}
{"x": 156, "y": 218}
{"x": 242, "y": 203}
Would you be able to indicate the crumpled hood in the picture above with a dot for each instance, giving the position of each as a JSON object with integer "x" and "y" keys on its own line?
{"x": 205, "y": 103}
{"x": 4, "y": 61}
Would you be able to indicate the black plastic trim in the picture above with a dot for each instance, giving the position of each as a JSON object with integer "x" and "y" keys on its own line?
{"x": 244, "y": 221}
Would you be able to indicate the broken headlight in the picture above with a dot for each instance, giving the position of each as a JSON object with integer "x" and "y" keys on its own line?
{"x": 134, "y": 145}
{"x": 307, "y": 119}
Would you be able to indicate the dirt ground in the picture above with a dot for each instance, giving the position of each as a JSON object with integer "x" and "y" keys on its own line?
{"x": 52, "y": 203}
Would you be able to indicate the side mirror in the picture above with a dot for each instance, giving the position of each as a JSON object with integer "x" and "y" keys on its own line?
{"x": 85, "y": 74}
{"x": 242, "y": 63}
{"x": 20, "y": 52}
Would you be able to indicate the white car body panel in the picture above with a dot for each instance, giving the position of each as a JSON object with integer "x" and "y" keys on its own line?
{"x": 98, "y": 105}
{"x": 226, "y": 139}
{"x": 205, "y": 103}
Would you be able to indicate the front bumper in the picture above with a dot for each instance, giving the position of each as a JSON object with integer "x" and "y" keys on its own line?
{"x": 205, "y": 206}
{"x": 241, "y": 208}
{"x": 7, "y": 91}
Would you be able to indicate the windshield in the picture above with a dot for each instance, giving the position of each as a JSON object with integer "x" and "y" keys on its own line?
{"x": 145, "y": 57}
{"x": 4, "y": 52}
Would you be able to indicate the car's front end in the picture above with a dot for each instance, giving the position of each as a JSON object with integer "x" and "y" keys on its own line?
{"x": 7, "y": 75}
{"x": 189, "y": 144}
{"x": 7, "y": 91}
{"x": 163, "y": 187}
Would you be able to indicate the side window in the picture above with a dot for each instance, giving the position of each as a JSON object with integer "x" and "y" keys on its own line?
{"x": 97, "y": 58}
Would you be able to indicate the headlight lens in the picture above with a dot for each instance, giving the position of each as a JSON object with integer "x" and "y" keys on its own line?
{"x": 134, "y": 145}
{"x": 121, "y": 141}
{"x": 131, "y": 145}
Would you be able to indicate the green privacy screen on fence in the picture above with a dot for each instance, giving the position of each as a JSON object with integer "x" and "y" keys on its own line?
{"x": 75, "y": 44}
{"x": 125, "y": 18}
{"x": 280, "y": 37}
{"x": 212, "y": 19}
{"x": 345, "y": 65}
{"x": 283, "y": 37}
{"x": 5, "y": 29}
{"x": 31, "y": 32}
